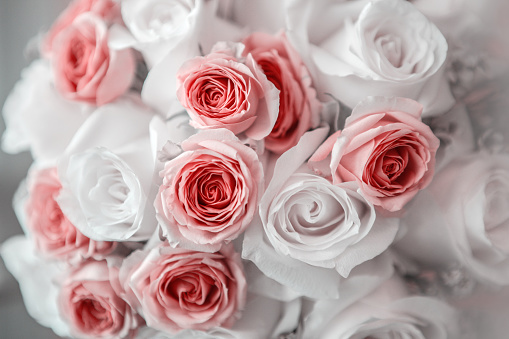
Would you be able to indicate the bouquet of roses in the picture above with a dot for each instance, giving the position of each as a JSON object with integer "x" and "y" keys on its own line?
{"x": 262, "y": 169}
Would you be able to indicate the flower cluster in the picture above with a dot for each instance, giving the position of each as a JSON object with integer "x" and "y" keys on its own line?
{"x": 202, "y": 172}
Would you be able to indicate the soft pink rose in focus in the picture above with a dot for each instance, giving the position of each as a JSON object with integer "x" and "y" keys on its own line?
{"x": 180, "y": 289}
{"x": 299, "y": 108}
{"x": 109, "y": 10}
{"x": 223, "y": 90}
{"x": 211, "y": 191}
{"x": 386, "y": 148}
{"x": 85, "y": 68}
{"x": 53, "y": 234}
{"x": 91, "y": 306}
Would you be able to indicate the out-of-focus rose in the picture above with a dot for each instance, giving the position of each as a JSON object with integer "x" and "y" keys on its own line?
{"x": 53, "y": 234}
{"x": 177, "y": 289}
{"x": 85, "y": 68}
{"x": 299, "y": 110}
{"x": 361, "y": 48}
{"x": 308, "y": 226}
{"x": 90, "y": 305}
{"x": 223, "y": 90}
{"x": 108, "y": 10}
{"x": 462, "y": 219}
{"x": 389, "y": 312}
{"x": 107, "y": 174}
{"x": 385, "y": 148}
{"x": 34, "y": 112}
{"x": 210, "y": 192}
{"x": 38, "y": 282}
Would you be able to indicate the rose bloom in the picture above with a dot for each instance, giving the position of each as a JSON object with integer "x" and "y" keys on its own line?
{"x": 210, "y": 192}
{"x": 107, "y": 174}
{"x": 53, "y": 234}
{"x": 85, "y": 68}
{"x": 298, "y": 107}
{"x": 178, "y": 289}
{"x": 311, "y": 234}
{"x": 222, "y": 90}
{"x": 91, "y": 306}
{"x": 361, "y": 48}
{"x": 389, "y": 313}
{"x": 463, "y": 215}
{"x": 385, "y": 148}
{"x": 106, "y": 9}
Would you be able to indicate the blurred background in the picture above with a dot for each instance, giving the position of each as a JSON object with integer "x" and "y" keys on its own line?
{"x": 20, "y": 20}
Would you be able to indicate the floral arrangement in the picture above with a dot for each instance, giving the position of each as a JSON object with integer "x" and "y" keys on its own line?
{"x": 262, "y": 169}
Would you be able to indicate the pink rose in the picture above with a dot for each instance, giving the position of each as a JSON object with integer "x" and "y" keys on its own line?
{"x": 386, "y": 148}
{"x": 107, "y": 9}
{"x": 299, "y": 108}
{"x": 91, "y": 306}
{"x": 210, "y": 192}
{"x": 85, "y": 68}
{"x": 221, "y": 90}
{"x": 180, "y": 289}
{"x": 53, "y": 234}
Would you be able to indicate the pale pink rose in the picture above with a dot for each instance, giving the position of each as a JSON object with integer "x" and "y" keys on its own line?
{"x": 90, "y": 305}
{"x": 85, "y": 68}
{"x": 386, "y": 148}
{"x": 210, "y": 192}
{"x": 107, "y": 9}
{"x": 222, "y": 90}
{"x": 53, "y": 234}
{"x": 178, "y": 289}
{"x": 299, "y": 108}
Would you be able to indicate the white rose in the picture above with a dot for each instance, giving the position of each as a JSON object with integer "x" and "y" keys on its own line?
{"x": 462, "y": 219}
{"x": 36, "y": 278}
{"x": 387, "y": 313}
{"x": 108, "y": 173}
{"x": 314, "y": 228}
{"x": 35, "y": 112}
{"x": 381, "y": 47}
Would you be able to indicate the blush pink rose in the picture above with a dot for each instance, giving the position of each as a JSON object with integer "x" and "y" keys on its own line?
{"x": 85, "y": 68}
{"x": 210, "y": 192}
{"x": 90, "y": 305}
{"x": 180, "y": 289}
{"x": 386, "y": 148}
{"x": 223, "y": 90}
{"x": 109, "y": 10}
{"x": 53, "y": 234}
{"x": 299, "y": 109}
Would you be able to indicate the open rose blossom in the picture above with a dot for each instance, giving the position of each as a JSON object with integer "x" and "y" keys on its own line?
{"x": 53, "y": 234}
{"x": 210, "y": 192}
{"x": 90, "y": 305}
{"x": 107, "y": 9}
{"x": 85, "y": 68}
{"x": 298, "y": 106}
{"x": 386, "y": 148}
{"x": 178, "y": 289}
{"x": 223, "y": 90}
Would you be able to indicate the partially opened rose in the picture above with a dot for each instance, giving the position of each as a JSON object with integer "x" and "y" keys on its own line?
{"x": 210, "y": 192}
{"x": 91, "y": 306}
{"x": 361, "y": 48}
{"x": 85, "y": 68}
{"x": 106, "y": 9}
{"x": 299, "y": 108}
{"x": 177, "y": 289}
{"x": 52, "y": 232}
{"x": 385, "y": 148}
{"x": 222, "y": 90}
